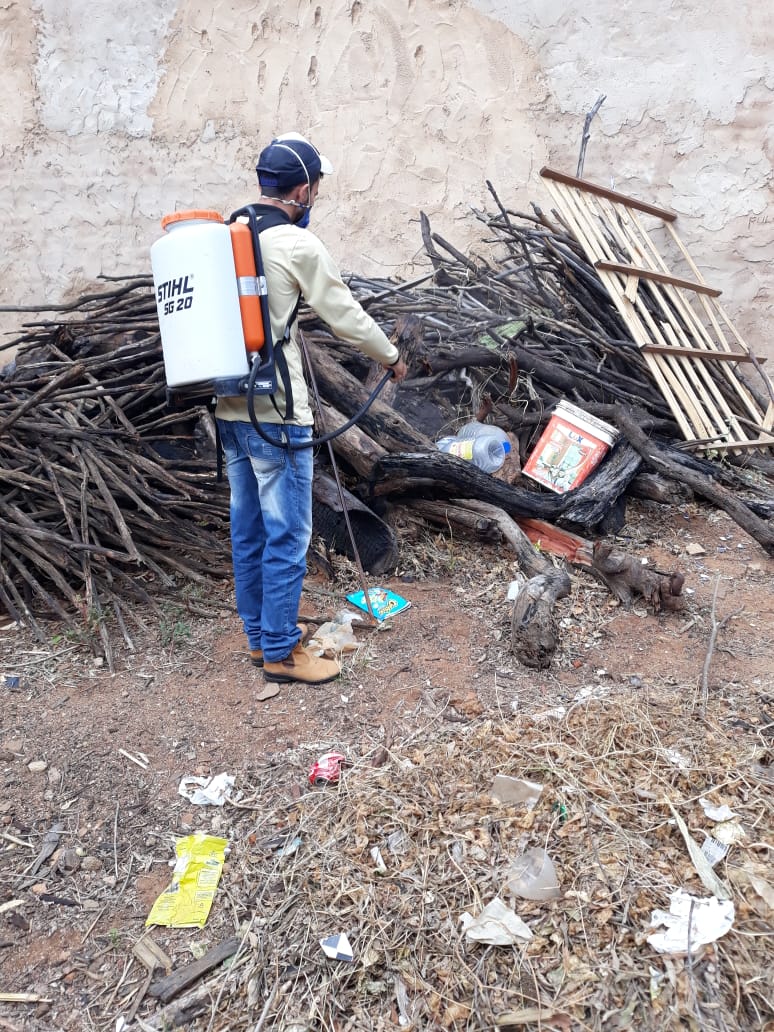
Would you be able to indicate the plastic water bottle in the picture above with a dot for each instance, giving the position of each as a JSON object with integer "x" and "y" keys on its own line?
{"x": 476, "y": 429}
{"x": 488, "y": 453}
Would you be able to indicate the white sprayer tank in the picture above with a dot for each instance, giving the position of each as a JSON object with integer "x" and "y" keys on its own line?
{"x": 197, "y": 299}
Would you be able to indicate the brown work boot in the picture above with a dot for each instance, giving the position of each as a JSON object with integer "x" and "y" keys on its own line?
{"x": 302, "y": 666}
{"x": 256, "y": 655}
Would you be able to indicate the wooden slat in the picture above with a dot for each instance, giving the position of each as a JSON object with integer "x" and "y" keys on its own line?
{"x": 657, "y": 277}
{"x": 759, "y": 442}
{"x": 596, "y": 247}
{"x": 665, "y": 321}
{"x": 701, "y": 392}
{"x": 714, "y": 314}
{"x": 171, "y": 985}
{"x": 699, "y": 333}
{"x": 700, "y": 353}
{"x": 679, "y": 381}
{"x": 613, "y": 195}
{"x": 693, "y": 385}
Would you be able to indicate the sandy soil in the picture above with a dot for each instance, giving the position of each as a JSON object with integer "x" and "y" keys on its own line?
{"x": 183, "y": 702}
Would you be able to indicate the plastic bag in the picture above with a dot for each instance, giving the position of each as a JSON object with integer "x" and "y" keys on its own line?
{"x": 335, "y": 637}
{"x": 533, "y": 876}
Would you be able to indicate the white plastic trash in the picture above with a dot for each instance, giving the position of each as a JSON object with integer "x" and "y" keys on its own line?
{"x": 690, "y": 922}
{"x": 496, "y": 925}
{"x": 533, "y": 876}
{"x": 476, "y": 429}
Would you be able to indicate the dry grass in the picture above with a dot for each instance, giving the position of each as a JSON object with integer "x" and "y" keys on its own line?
{"x": 608, "y": 769}
{"x": 418, "y": 791}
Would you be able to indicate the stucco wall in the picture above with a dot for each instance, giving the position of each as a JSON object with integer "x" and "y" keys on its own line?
{"x": 115, "y": 114}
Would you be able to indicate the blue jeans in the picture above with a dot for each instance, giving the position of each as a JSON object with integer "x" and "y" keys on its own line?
{"x": 271, "y": 527}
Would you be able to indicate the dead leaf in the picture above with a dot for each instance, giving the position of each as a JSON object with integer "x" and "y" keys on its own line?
{"x": 468, "y": 705}
{"x": 455, "y": 1012}
{"x": 603, "y": 916}
{"x": 764, "y": 890}
{"x": 746, "y": 876}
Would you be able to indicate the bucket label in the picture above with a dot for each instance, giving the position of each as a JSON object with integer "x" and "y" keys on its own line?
{"x": 564, "y": 456}
{"x": 174, "y": 295}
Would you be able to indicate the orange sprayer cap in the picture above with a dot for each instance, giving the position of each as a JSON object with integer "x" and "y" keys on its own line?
{"x": 185, "y": 216}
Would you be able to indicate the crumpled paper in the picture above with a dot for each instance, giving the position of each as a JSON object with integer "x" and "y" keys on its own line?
{"x": 496, "y": 925}
{"x": 715, "y": 812}
{"x": 213, "y": 791}
{"x": 686, "y": 928}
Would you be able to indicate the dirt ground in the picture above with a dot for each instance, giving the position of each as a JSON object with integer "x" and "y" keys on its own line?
{"x": 98, "y": 757}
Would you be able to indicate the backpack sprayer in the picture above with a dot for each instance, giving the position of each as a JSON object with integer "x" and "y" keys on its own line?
{"x": 213, "y": 310}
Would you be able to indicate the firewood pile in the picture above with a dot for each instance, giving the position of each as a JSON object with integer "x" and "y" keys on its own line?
{"x": 110, "y": 493}
{"x": 93, "y": 520}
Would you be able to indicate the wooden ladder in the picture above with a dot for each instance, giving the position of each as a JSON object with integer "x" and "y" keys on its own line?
{"x": 688, "y": 342}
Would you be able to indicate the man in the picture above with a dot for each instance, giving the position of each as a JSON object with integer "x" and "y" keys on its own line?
{"x": 271, "y": 487}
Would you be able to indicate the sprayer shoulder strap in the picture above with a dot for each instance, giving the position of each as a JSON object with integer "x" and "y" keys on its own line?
{"x": 267, "y": 216}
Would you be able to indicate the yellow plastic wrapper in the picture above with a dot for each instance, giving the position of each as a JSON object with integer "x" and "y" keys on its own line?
{"x": 187, "y": 901}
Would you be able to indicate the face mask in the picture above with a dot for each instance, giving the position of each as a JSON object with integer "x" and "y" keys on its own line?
{"x": 304, "y": 221}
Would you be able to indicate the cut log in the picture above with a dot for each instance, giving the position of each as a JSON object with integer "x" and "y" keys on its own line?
{"x": 534, "y": 627}
{"x": 439, "y": 474}
{"x": 627, "y": 577}
{"x": 449, "y": 515}
{"x": 346, "y": 393}
{"x": 656, "y": 488}
{"x": 354, "y": 446}
{"x": 434, "y": 474}
{"x": 594, "y": 502}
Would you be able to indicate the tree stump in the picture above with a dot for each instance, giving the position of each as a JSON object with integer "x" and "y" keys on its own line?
{"x": 534, "y": 634}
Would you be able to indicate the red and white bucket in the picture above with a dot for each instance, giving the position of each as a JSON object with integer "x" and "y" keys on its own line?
{"x": 570, "y": 447}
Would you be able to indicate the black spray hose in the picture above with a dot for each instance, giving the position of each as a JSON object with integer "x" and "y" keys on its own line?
{"x": 287, "y": 445}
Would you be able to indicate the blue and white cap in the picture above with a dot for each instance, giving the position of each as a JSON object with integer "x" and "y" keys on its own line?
{"x": 291, "y": 159}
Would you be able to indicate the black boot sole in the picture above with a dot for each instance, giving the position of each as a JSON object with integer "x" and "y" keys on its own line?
{"x": 288, "y": 679}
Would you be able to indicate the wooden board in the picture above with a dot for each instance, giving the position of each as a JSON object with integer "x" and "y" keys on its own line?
{"x": 688, "y": 342}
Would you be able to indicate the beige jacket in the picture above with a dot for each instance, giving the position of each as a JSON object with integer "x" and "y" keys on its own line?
{"x": 296, "y": 260}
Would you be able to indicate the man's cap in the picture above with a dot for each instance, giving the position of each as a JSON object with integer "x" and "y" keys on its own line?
{"x": 291, "y": 159}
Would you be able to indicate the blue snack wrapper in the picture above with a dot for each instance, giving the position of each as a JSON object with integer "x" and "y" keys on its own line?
{"x": 384, "y": 603}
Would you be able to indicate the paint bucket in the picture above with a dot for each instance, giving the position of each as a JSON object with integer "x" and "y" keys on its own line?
{"x": 571, "y": 446}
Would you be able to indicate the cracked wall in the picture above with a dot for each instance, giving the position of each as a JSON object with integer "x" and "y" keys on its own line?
{"x": 113, "y": 116}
